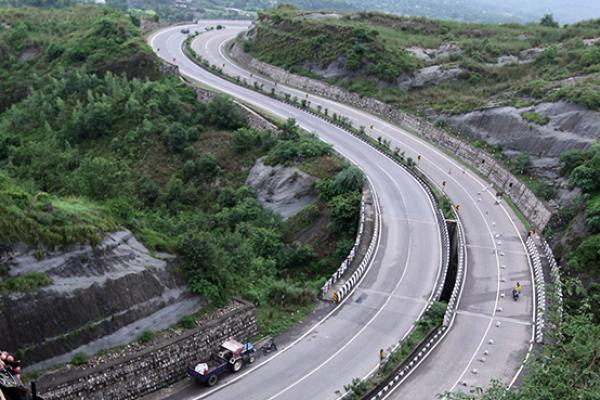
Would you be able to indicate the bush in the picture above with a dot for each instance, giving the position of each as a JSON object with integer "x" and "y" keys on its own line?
{"x": 344, "y": 213}
{"x": 586, "y": 258}
{"x": 28, "y": 282}
{"x": 592, "y": 214}
{"x": 148, "y": 190}
{"x": 146, "y": 337}
{"x": 101, "y": 178}
{"x": 208, "y": 166}
{"x": 548, "y": 20}
{"x": 285, "y": 294}
{"x": 223, "y": 113}
{"x": 350, "y": 179}
{"x": 520, "y": 164}
{"x": 570, "y": 160}
{"x": 79, "y": 359}
{"x": 535, "y": 117}
{"x": 286, "y": 151}
{"x": 187, "y": 322}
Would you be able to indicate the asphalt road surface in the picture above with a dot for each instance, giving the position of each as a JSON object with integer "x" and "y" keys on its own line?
{"x": 491, "y": 334}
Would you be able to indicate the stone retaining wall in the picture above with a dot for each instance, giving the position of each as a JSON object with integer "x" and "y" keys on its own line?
{"x": 534, "y": 210}
{"x": 153, "y": 368}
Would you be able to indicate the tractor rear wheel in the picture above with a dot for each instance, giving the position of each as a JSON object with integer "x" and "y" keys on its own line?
{"x": 212, "y": 380}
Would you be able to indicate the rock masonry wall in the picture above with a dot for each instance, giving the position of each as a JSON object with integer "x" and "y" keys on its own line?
{"x": 153, "y": 368}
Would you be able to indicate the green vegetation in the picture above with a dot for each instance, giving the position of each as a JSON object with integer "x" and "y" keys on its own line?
{"x": 187, "y": 322}
{"x": 146, "y": 337}
{"x": 362, "y": 48}
{"x": 38, "y": 217}
{"x": 79, "y": 359}
{"x": 543, "y": 78}
{"x": 535, "y": 118}
{"x": 27, "y": 282}
{"x": 36, "y": 44}
{"x": 369, "y": 50}
{"x": 97, "y": 140}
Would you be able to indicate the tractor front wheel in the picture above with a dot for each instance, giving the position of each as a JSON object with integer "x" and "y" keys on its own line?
{"x": 237, "y": 365}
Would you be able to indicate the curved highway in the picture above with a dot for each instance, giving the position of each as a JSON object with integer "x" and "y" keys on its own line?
{"x": 491, "y": 334}
{"x": 391, "y": 297}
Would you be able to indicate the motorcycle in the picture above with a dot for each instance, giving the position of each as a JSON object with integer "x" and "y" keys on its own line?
{"x": 515, "y": 294}
{"x": 269, "y": 347}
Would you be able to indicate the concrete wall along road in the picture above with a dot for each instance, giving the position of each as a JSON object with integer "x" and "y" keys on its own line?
{"x": 153, "y": 368}
{"x": 534, "y": 210}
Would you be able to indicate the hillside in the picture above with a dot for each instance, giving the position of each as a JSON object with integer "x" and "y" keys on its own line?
{"x": 95, "y": 139}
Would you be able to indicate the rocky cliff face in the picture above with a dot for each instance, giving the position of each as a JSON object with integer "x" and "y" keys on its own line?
{"x": 100, "y": 297}
{"x": 284, "y": 190}
{"x": 568, "y": 127}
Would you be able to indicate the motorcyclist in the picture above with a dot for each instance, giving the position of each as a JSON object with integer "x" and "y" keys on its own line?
{"x": 518, "y": 288}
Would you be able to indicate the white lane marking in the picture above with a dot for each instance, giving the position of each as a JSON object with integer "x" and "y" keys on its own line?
{"x": 315, "y": 326}
{"x": 485, "y": 316}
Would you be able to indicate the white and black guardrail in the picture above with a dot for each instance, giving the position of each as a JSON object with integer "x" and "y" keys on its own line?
{"x": 540, "y": 291}
{"x": 337, "y": 275}
{"x": 460, "y": 275}
{"x": 554, "y": 278}
{"x": 362, "y": 268}
{"x": 445, "y": 254}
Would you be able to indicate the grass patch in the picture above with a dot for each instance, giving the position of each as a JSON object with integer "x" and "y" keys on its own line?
{"x": 145, "y": 337}
{"x": 28, "y": 282}
{"x": 535, "y": 117}
{"x": 275, "y": 320}
{"x": 79, "y": 359}
{"x": 187, "y": 322}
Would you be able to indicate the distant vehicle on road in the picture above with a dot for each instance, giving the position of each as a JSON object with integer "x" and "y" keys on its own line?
{"x": 231, "y": 356}
{"x": 185, "y": 31}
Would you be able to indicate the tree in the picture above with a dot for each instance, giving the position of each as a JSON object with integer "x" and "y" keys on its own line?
{"x": 349, "y": 179}
{"x": 521, "y": 164}
{"x": 548, "y": 20}
{"x": 569, "y": 160}
{"x": 223, "y": 113}
{"x": 148, "y": 190}
{"x": 101, "y": 178}
{"x": 208, "y": 166}
{"x": 343, "y": 212}
{"x": 586, "y": 258}
{"x": 205, "y": 266}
